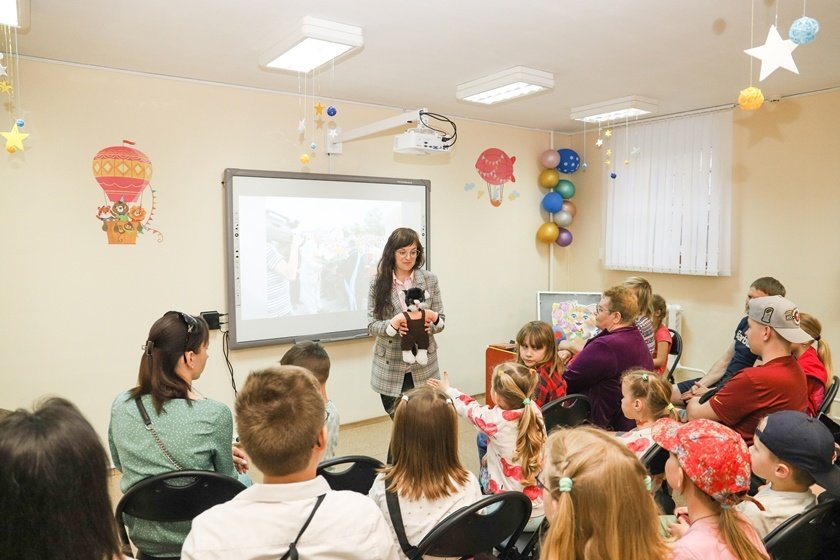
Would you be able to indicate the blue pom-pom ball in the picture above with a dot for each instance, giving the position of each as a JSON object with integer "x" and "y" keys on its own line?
{"x": 569, "y": 161}
{"x": 332, "y": 111}
{"x": 613, "y": 175}
{"x": 19, "y": 123}
{"x": 803, "y": 30}
{"x": 313, "y": 145}
{"x": 552, "y": 202}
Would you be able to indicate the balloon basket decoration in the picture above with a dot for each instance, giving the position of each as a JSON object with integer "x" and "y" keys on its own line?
{"x": 557, "y": 201}
{"x": 123, "y": 173}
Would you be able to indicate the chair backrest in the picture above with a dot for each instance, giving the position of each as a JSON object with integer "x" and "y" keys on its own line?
{"x": 358, "y": 476}
{"x": 811, "y": 535}
{"x": 654, "y": 459}
{"x": 830, "y": 393}
{"x": 175, "y": 496}
{"x": 569, "y": 411}
{"x": 479, "y": 527}
{"x": 676, "y": 350}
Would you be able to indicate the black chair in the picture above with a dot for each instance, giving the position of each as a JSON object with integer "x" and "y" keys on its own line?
{"x": 676, "y": 350}
{"x": 654, "y": 459}
{"x": 569, "y": 411}
{"x": 813, "y": 534}
{"x": 830, "y": 393}
{"x": 494, "y": 522}
{"x": 358, "y": 476}
{"x": 174, "y": 496}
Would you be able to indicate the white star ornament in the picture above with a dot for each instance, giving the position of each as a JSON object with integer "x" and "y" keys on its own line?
{"x": 775, "y": 53}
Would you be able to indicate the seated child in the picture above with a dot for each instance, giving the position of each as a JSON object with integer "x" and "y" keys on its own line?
{"x": 662, "y": 336}
{"x": 293, "y": 514}
{"x": 426, "y": 474}
{"x": 790, "y": 451}
{"x": 710, "y": 467}
{"x": 536, "y": 349}
{"x": 645, "y": 398}
{"x": 312, "y": 356}
{"x": 515, "y": 430}
{"x": 589, "y": 481}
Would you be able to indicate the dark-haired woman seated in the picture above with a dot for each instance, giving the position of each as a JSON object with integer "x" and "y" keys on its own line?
{"x": 186, "y": 431}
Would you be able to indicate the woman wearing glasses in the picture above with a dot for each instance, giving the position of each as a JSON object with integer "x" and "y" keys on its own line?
{"x": 163, "y": 424}
{"x": 398, "y": 270}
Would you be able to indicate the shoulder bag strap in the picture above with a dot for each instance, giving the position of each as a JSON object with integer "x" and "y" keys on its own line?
{"x": 393, "y": 502}
{"x": 148, "y": 422}
{"x": 292, "y": 553}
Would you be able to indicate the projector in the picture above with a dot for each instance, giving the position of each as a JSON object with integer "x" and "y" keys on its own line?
{"x": 420, "y": 141}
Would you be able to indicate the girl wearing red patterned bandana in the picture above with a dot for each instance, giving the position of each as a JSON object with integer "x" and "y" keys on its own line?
{"x": 710, "y": 467}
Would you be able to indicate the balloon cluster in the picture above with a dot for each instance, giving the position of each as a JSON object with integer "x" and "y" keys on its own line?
{"x": 557, "y": 201}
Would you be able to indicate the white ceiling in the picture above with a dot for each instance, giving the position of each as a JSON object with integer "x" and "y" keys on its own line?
{"x": 686, "y": 54}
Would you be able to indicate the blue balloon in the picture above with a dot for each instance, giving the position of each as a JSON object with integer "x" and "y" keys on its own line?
{"x": 569, "y": 161}
{"x": 552, "y": 202}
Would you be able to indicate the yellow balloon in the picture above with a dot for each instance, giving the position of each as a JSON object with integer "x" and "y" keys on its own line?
{"x": 549, "y": 178}
{"x": 548, "y": 232}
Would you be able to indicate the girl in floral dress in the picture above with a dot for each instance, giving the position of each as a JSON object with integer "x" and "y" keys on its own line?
{"x": 645, "y": 398}
{"x": 515, "y": 431}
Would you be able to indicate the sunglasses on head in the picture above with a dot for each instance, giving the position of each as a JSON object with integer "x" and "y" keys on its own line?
{"x": 192, "y": 326}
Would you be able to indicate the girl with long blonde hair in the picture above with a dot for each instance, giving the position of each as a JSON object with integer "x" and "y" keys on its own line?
{"x": 515, "y": 431}
{"x": 645, "y": 398}
{"x": 597, "y": 500}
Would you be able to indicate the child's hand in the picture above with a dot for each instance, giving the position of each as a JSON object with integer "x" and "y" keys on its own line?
{"x": 442, "y": 383}
{"x": 240, "y": 460}
{"x": 680, "y": 528}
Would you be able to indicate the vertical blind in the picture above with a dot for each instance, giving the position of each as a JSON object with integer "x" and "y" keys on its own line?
{"x": 669, "y": 209}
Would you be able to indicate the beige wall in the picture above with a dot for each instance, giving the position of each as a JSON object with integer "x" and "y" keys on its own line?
{"x": 77, "y": 310}
{"x": 785, "y": 224}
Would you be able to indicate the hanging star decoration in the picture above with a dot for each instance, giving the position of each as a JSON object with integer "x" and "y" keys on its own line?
{"x": 635, "y": 150}
{"x": 319, "y": 108}
{"x": 14, "y": 139}
{"x": 3, "y": 70}
{"x": 775, "y": 53}
{"x": 599, "y": 142}
{"x": 609, "y": 152}
{"x": 5, "y": 87}
{"x": 608, "y": 133}
{"x": 332, "y": 133}
{"x": 302, "y": 126}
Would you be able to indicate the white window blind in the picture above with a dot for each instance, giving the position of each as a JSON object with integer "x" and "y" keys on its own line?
{"x": 669, "y": 210}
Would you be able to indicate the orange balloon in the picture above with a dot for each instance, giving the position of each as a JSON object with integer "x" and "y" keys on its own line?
{"x": 549, "y": 178}
{"x": 548, "y": 232}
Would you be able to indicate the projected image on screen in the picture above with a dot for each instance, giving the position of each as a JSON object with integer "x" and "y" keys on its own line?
{"x": 308, "y": 256}
{"x": 303, "y": 248}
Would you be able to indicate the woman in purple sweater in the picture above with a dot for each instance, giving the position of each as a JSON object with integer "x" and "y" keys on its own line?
{"x": 596, "y": 370}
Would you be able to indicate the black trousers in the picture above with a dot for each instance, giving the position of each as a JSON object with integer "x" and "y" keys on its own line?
{"x": 389, "y": 403}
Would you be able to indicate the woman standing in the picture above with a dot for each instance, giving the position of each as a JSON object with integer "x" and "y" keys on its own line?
{"x": 163, "y": 424}
{"x": 398, "y": 270}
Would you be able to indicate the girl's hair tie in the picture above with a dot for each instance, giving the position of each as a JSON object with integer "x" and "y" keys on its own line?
{"x": 670, "y": 407}
{"x": 526, "y": 401}
{"x": 648, "y": 483}
{"x": 644, "y": 377}
{"x": 565, "y": 484}
{"x": 405, "y": 398}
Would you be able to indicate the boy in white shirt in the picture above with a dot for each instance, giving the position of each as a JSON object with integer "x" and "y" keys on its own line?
{"x": 791, "y": 451}
{"x": 280, "y": 417}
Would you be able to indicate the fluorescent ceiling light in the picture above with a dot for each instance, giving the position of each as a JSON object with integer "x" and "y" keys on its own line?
{"x": 503, "y": 86}
{"x": 615, "y": 109}
{"x": 314, "y": 43}
{"x": 14, "y": 13}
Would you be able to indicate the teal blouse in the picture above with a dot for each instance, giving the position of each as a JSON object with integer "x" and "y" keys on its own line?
{"x": 198, "y": 434}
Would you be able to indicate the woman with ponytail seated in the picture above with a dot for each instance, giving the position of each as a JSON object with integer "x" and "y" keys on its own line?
{"x": 597, "y": 499}
{"x": 164, "y": 424}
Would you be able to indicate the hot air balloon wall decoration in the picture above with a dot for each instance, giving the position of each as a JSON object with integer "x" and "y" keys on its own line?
{"x": 496, "y": 168}
{"x": 123, "y": 173}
